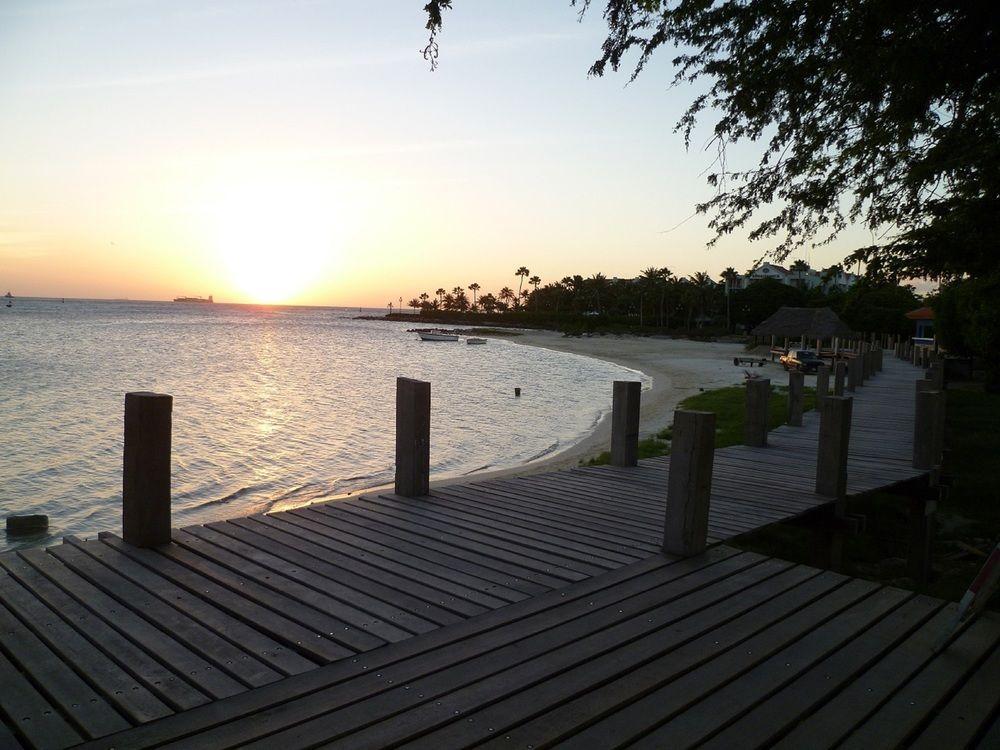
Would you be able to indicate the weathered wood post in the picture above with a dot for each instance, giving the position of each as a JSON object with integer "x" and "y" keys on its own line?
{"x": 834, "y": 440}
{"x": 689, "y": 483}
{"x": 413, "y": 437}
{"x": 915, "y": 355}
{"x": 839, "y": 376}
{"x": 755, "y": 420}
{"x": 937, "y": 375}
{"x": 853, "y": 374}
{"x": 925, "y": 426}
{"x": 146, "y": 469}
{"x": 822, "y": 384}
{"x": 796, "y": 397}
{"x": 625, "y": 422}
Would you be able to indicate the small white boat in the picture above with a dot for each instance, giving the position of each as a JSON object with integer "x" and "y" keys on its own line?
{"x": 437, "y": 336}
{"x": 474, "y": 340}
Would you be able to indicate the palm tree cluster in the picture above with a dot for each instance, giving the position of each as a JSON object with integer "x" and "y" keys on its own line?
{"x": 656, "y": 296}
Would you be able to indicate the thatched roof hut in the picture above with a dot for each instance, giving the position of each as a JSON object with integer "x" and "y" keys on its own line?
{"x": 804, "y": 322}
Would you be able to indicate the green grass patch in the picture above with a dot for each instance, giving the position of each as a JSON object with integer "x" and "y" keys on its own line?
{"x": 729, "y": 405}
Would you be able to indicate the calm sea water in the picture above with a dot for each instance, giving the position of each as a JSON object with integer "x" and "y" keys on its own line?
{"x": 273, "y": 407}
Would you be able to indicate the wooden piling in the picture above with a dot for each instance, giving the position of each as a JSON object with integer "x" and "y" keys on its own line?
{"x": 834, "y": 439}
{"x": 625, "y": 422}
{"x": 853, "y": 374}
{"x": 146, "y": 469}
{"x": 822, "y": 384}
{"x": 758, "y": 393}
{"x": 925, "y": 426}
{"x": 689, "y": 483}
{"x": 413, "y": 437}
{"x": 839, "y": 376}
{"x": 796, "y": 396}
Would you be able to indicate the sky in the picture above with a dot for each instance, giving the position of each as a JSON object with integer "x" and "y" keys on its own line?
{"x": 302, "y": 152}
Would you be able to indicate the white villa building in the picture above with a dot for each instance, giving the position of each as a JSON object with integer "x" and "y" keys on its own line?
{"x": 804, "y": 278}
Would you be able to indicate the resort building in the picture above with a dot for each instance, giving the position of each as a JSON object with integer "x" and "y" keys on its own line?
{"x": 799, "y": 275}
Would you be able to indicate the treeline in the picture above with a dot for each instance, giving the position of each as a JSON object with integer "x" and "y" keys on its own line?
{"x": 657, "y": 300}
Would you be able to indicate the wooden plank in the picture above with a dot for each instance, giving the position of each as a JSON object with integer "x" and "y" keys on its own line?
{"x": 147, "y": 636}
{"x": 634, "y": 721}
{"x": 478, "y": 589}
{"x": 314, "y": 581}
{"x": 306, "y": 641}
{"x": 226, "y": 657}
{"x": 499, "y": 583}
{"x": 560, "y": 642}
{"x": 830, "y": 723}
{"x": 268, "y": 650}
{"x": 428, "y": 540}
{"x": 31, "y": 715}
{"x": 516, "y": 714}
{"x": 900, "y": 718}
{"x": 968, "y": 714}
{"x": 573, "y": 563}
{"x": 72, "y": 697}
{"x": 775, "y": 713}
{"x": 130, "y": 696}
{"x": 160, "y": 680}
{"x": 309, "y": 694}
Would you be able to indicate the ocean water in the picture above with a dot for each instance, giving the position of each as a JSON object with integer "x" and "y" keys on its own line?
{"x": 273, "y": 406}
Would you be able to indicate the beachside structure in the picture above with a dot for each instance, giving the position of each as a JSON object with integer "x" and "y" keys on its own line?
{"x": 805, "y": 325}
{"x": 923, "y": 329}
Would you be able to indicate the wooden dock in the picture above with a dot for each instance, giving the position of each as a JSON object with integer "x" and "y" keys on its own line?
{"x": 531, "y": 611}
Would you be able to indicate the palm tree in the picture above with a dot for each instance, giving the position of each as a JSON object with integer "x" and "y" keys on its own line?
{"x": 507, "y": 295}
{"x": 440, "y": 293}
{"x": 535, "y": 281}
{"x": 799, "y": 267}
{"x": 729, "y": 276}
{"x": 424, "y": 296}
{"x": 522, "y": 273}
{"x": 474, "y": 288}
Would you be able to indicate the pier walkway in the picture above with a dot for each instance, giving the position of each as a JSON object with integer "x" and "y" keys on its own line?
{"x": 522, "y": 612}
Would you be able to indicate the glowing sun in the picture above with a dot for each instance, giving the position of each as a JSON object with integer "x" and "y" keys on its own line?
{"x": 275, "y": 240}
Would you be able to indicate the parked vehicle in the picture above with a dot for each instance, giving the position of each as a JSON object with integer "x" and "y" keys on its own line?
{"x": 803, "y": 360}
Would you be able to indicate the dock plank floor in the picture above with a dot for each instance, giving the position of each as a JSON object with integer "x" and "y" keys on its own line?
{"x": 538, "y": 609}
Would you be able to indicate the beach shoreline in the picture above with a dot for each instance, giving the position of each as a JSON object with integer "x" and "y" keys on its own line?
{"x": 677, "y": 369}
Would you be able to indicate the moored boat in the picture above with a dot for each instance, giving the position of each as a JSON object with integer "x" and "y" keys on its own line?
{"x": 474, "y": 340}
{"x": 434, "y": 335}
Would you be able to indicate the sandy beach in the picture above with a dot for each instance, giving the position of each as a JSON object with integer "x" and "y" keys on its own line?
{"x": 678, "y": 368}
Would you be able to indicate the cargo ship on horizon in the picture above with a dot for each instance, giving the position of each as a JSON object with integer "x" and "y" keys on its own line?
{"x": 204, "y": 300}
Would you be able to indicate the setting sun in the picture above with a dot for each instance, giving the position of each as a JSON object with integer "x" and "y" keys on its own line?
{"x": 275, "y": 240}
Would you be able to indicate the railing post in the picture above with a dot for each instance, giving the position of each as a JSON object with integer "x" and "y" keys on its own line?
{"x": 625, "y": 422}
{"x": 146, "y": 469}
{"x": 937, "y": 375}
{"x": 796, "y": 395}
{"x": 834, "y": 441}
{"x": 758, "y": 393}
{"x": 839, "y": 376}
{"x": 926, "y": 423}
{"x": 413, "y": 437}
{"x": 853, "y": 374}
{"x": 822, "y": 384}
{"x": 689, "y": 483}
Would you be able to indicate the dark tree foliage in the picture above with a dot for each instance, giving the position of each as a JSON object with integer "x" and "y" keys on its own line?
{"x": 880, "y": 112}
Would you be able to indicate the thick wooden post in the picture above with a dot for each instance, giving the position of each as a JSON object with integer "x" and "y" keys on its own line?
{"x": 146, "y": 469}
{"x": 796, "y": 396}
{"x": 689, "y": 483}
{"x": 625, "y": 422}
{"x": 834, "y": 440}
{"x": 925, "y": 426}
{"x": 839, "y": 376}
{"x": 937, "y": 375}
{"x": 413, "y": 437}
{"x": 755, "y": 419}
{"x": 854, "y": 374}
{"x": 822, "y": 384}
